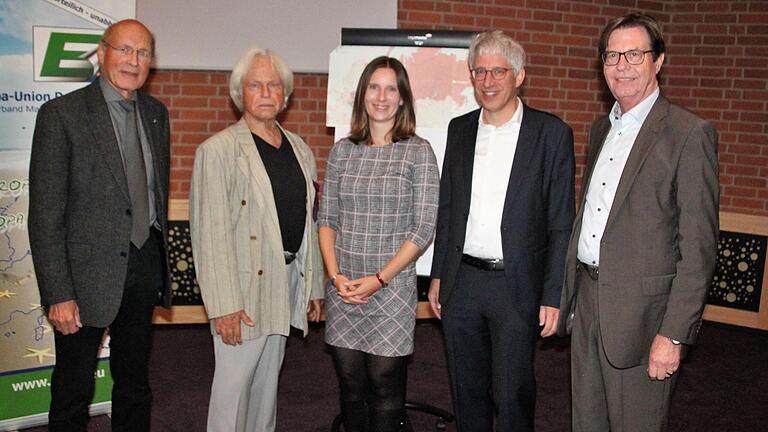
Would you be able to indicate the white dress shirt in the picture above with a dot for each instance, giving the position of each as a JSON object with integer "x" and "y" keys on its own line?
{"x": 607, "y": 173}
{"x": 494, "y": 153}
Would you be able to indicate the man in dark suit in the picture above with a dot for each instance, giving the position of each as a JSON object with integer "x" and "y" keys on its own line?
{"x": 506, "y": 210}
{"x": 644, "y": 241}
{"x": 97, "y": 224}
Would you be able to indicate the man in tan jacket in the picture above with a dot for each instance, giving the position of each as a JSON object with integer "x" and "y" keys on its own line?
{"x": 255, "y": 243}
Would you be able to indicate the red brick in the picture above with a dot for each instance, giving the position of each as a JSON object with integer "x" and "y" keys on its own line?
{"x": 198, "y": 90}
{"x": 220, "y": 78}
{"x": 536, "y": 26}
{"x": 715, "y": 66}
{"x": 459, "y": 20}
{"x": 655, "y": 6}
{"x": 189, "y": 102}
{"x": 740, "y": 192}
{"x": 742, "y": 170}
{"x": 417, "y": 5}
{"x": 756, "y": 73}
{"x": 429, "y": 17}
{"x": 541, "y": 15}
{"x": 193, "y": 138}
{"x": 750, "y": 39}
{"x": 188, "y": 126}
{"x": 754, "y": 139}
{"x": 753, "y": 18}
{"x": 754, "y": 204}
{"x": 197, "y": 114}
{"x": 687, "y": 18}
{"x": 754, "y": 182}
{"x": 185, "y": 150}
{"x": 187, "y": 77}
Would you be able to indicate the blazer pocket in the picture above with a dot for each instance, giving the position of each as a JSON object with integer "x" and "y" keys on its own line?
{"x": 657, "y": 285}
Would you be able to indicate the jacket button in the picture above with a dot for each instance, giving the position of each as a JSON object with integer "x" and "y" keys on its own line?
{"x": 128, "y": 212}
{"x": 123, "y": 254}
{"x": 253, "y": 237}
{"x": 260, "y": 272}
{"x": 458, "y": 249}
{"x": 242, "y": 202}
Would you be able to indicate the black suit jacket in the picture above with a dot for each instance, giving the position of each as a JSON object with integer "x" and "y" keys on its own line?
{"x": 538, "y": 211}
{"x": 79, "y": 208}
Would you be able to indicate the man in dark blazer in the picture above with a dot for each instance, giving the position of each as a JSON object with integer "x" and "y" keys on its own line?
{"x": 97, "y": 224}
{"x": 506, "y": 210}
{"x": 644, "y": 242}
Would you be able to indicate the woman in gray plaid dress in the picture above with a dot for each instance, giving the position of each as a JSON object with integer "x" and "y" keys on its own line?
{"x": 378, "y": 214}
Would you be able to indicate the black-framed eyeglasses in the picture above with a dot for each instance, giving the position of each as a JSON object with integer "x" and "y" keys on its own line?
{"x": 128, "y": 51}
{"x": 497, "y": 73}
{"x": 633, "y": 57}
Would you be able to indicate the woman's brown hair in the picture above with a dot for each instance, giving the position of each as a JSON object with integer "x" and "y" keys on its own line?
{"x": 405, "y": 118}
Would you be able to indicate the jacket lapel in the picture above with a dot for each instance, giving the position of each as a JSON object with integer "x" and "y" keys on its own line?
{"x": 298, "y": 151}
{"x": 644, "y": 142}
{"x": 596, "y": 141}
{"x": 151, "y": 123}
{"x": 104, "y": 135}
{"x": 467, "y": 153}
{"x": 250, "y": 164}
{"x": 526, "y": 142}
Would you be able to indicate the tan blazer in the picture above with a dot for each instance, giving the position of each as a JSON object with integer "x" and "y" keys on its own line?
{"x": 238, "y": 249}
{"x": 658, "y": 251}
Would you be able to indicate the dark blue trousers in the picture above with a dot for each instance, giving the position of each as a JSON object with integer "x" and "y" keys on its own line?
{"x": 490, "y": 354}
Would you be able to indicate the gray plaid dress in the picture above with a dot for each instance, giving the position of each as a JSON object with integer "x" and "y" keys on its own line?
{"x": 375, "y": 198}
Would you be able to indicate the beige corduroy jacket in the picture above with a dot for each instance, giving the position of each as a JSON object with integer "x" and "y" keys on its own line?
{"x": 236, "y": 241}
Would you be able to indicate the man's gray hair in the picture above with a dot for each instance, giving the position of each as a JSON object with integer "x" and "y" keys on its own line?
{"x": 497, "y": 43}
{"x": 244, "y": 65}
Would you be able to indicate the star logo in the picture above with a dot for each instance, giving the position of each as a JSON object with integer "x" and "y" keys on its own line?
{"x": 6, "y": 294}
{"x": 40, "y": 354}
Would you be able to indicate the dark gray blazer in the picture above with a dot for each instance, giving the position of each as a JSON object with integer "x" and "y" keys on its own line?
{"x": 79, "y": 209}
{"x": 538, "y": 209}
{"x": 658, "y": 251}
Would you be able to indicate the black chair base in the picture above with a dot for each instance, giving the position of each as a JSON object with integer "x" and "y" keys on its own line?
{"x": 441, "y": 424}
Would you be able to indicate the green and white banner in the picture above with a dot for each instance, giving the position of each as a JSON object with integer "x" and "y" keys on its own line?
{"x": 47, "y": 49}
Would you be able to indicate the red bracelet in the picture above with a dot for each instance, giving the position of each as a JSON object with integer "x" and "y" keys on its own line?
{"x": 381, "y": 281}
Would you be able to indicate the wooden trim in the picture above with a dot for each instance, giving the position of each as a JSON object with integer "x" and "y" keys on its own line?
{"x": 178, "y": 210}
{"x": 747, "y": 224}
{"x": 735, "y": 222}
{"x": 743, "y": 223}
{"x": 180, "y": 315}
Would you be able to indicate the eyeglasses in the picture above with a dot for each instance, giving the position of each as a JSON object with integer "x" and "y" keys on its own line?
{"x": 256, "y": 86}
{"x": 128, "y": 51}
{"x": 633, "y": 57}
{"x": 497, "y": 73}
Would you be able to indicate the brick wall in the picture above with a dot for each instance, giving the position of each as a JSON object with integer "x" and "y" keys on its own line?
{"x": 715, "y": 67}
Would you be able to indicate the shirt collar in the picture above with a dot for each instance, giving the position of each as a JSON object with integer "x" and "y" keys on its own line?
{"x": 516, "y": 119}
{"x": 636, "y": 114}
{"x": 110, "y": 92}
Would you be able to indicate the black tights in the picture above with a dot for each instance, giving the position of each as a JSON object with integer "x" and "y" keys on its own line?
{"x": 370, "y": 380}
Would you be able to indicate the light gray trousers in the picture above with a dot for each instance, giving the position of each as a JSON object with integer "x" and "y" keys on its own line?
{"x": 244, "y": 390}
